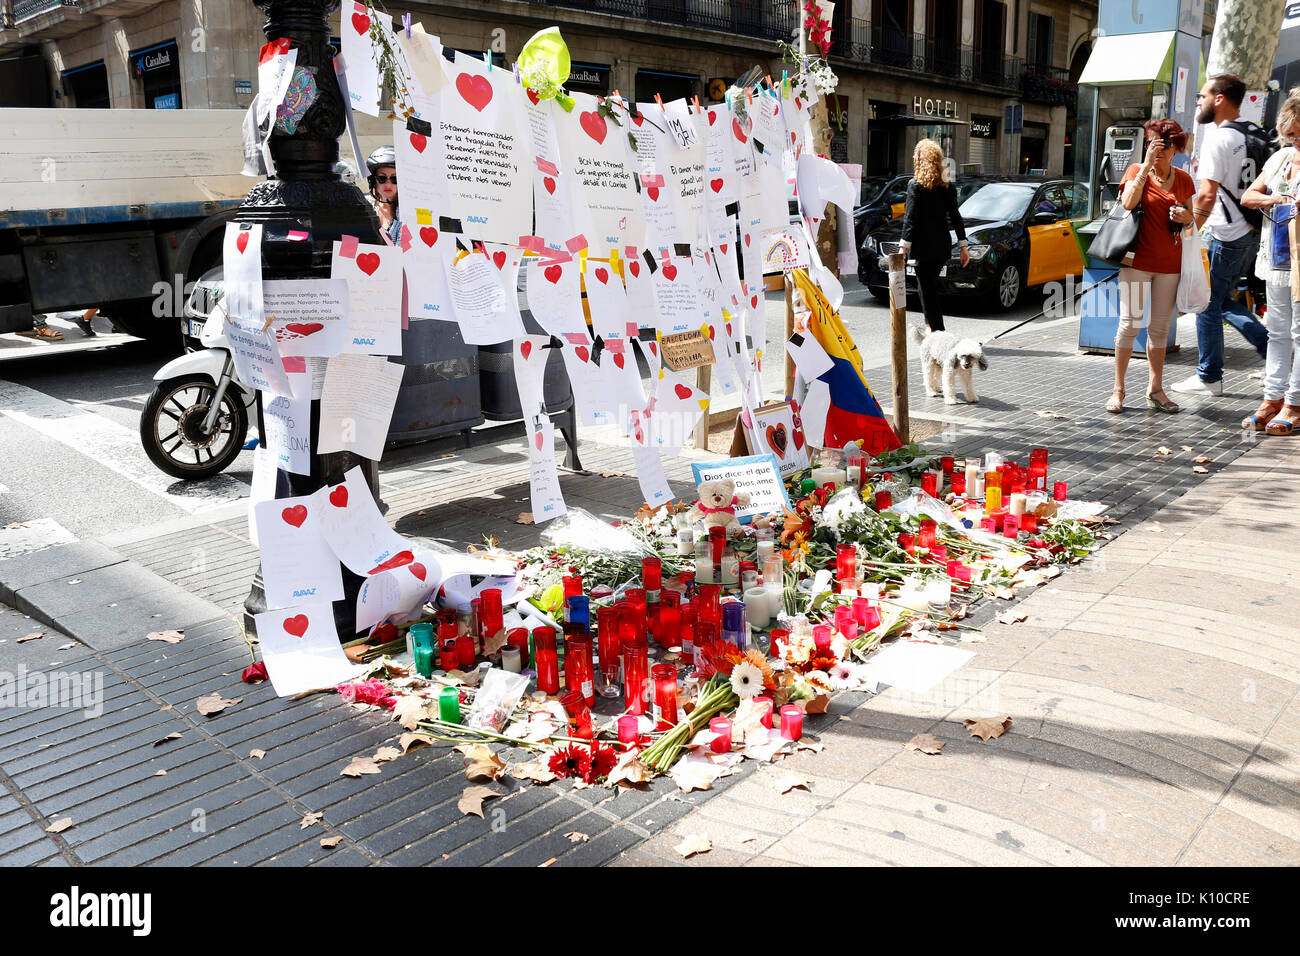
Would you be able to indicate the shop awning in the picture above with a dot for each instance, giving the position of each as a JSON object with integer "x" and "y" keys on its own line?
{"x": 1130, "y": 58}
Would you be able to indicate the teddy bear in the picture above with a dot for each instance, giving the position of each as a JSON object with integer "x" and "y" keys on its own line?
{"x": 717, "y": 505}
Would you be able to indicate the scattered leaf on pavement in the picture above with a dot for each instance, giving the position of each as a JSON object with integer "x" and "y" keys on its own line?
{"x": 409, "y": 710}
{"x": 613, "y": 474}
{"x": 1006, "y": 594}
{"x": 525, "y": 517}
{"x": 1200, "y": 470}
{"x": 1186, "y": 447}
{"x": 409, "y": 742}
{"x": 1164, "y": 450}
{"x": 1048, "y": 413}
{"x": 58, "y": 826}
{"x": 493, "y": 643}
{"x": 988, "y": 727}
{"x": 693, "y": 843}
{"x": 818, "y": 704}
{"x": 811, "y": 744}
{"x": 1202, "y": 459}
{"x": 789, "y": 781}
{"x": 481, "y": 763}
{"x": 575, "y": 837}
{"x": 629, "y": 771}
{"x": 214, "y": 703}
{"x": 33, "y": 636}
{"x": 256, "y": 754}
{"x": 1011, "y": 617}
{"x": 471, "y": 801}
{"x": 310, "y": 819}
{"x": 359, "y": 766}
{"x": 534, "y": 770}
{"x": 925, "y": 743}
{"x": 385, "y": 754}
{"x": 329, "y": 843}
{"x": 170, "y": 637}
{"x": 172, "y": 736}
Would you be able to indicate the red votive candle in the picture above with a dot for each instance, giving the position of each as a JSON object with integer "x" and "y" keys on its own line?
{"x": 989, "y": 524}
{"x": 1059, "y": 490}
{"x": 777, "y": 636}
{"x": 927, "y": 533}
{"x": 846, "y": 564}
{"x": 999, "y": 515}
{"x": 939, "y": 553}
{"x": 706, "y": 632}
{"x": 547, "y": 659}
{"x": 822, "y": 636}
{"x": 651, "y": 573}
{"x": 860, "y": 607}
{"x": 449, "y": 659}
{"x": 579, "y": 671}
{"x": 572, "y": 585}
{"x": 884, "y": 500}
{"x": 722, "y": 742}
{"x": 686, "y": 628}
{"x": 636, "y": 676}
{"x": 1038, "y": 458}
{"x": 710, "y": 602}
{"x": 952, "y": 567}
{"x": 947, "y": 463}
{"x": 609, "y": 642}
{"x": 629, "y": 726}
{"x": 669, "y": 621}
{"x": 843, "y": 617}
{"x": 907, "y": 542}
{"x": 579, "y": 714}
{"x": 1011, "y": 526}
{"x": 791, "y": 722}
{"x": 958, "y": 482}
{"x": 518, "y": 637}
{"x": 1028, "y": 522}
{"x": 465, "y": 652}
{"x": 764, "y": 705}
{"x": 870, "y": 619}
{"x": 665, "y": 694}
{"x": 930, "y": 484}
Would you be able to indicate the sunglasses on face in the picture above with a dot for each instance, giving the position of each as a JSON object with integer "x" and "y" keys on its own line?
{"x": 381, "y": 178}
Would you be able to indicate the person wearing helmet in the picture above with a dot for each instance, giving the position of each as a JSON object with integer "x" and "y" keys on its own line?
{"x": 382, "y": 180}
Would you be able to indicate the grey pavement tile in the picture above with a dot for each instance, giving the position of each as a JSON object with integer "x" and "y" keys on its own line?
{"x": 59, "y": 562}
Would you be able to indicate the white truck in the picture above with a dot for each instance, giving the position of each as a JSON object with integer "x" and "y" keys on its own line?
{"x": 115, "y": 209}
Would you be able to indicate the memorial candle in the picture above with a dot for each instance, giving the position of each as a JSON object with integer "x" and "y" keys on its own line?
{"x": 846, "y": 565}
{"x": 822, "y": 637}
{"x": 510, "y": 659}
{"x": 547, "y": 660}
{"x": 517, "y": 637}
{"x": 609, "y": 647}
{"x": 1011, "y": 526}
{"x": 930, "y": 484}
{"x": 449, "y": 705}
{"x": 884, "y": 501}
{"x": 665, "y": 694}
{"x": 721, "y": 727}
{"x": 1059, "y": 491}
{"x": 791, "y": 722}
{"x": 1029, "y": 522}
{"x": 827, "y": 475}
{"x": 579, "y": 714}
{"x": 927, "y": 533}
{"x": 465, "y": 653}
{"x": 1018, "y": 503}
{"x": 629, "y": 727}
{"x": 636, "y": 676}
{"x": 947, "y": 463}
{"x": 764, "y": 707}
{"x": 958, "y": 483}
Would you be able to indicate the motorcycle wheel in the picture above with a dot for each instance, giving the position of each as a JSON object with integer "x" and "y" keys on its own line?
{"x": 171, "y": 428}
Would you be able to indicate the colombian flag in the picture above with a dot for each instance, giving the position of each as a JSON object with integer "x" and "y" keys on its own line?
{"x": 854, "y": 414}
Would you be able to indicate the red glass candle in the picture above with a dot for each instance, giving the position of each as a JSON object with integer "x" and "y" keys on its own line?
{"x": 572, "y": 585}
{"x": 629, "y": 727}
{"x": 1028, "y": 522}
{"x": 989, "y": 524}
{"x": 884, "y": 500}
{"x": 636, "y": 676}
{"x": 999, "y": 515}
{"x": 609, "y": 642}
{"x": 860, "y": 607}
{"x": 964, "y": 573}
{"x": 668, "y": 623}
{"x": 465, "y": 652}
{"x": 958, "y": 482}
{"x": 706, "y": 632}
{"x": 843, "y": 616}
{"x": 651, "y": 573}
{"x": 791, "y": 722}
{"x": 491, "y": 619}
{"x": 846, "y": 564}
{"x": 1038, "y": 456}
{"x": 518, "y": 637}
{"x": 947, "y": 463}
{"x": 579, "y": 714}
{"x": 449, "y": 659}
{"x": 1059, "y": 491}
{"x": 665, "y": 694}
{"x": 870, "y": 618}
{"x": 764, "y": 706}
{"x": 710, "y": 601}
{"x": 547, "y": 659}
{"x": 952, "y": 567}
{"x": 927, "y": 533}
{"x": 686, "y": 628}
{"x": 579, "y": 669}
{"x": 1011, "y": 526}
{"x": 778, "y": 638}
{"x": 930, "y": 484}
{"x": 939, "y": 554}
{"x": 907, "y": 542}
{"x": 822, "y": 637}
{"x": 722, "y": 742}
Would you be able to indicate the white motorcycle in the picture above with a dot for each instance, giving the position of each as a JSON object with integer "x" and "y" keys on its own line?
{"x": 195, "y": 421}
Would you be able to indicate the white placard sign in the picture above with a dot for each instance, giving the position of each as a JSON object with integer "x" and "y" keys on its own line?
{"x": 359, "y": 55}
{"x": 287, "y": 431}
{"x": 252, "y": 346}
{"x": 595, "y": 155}
{"x": 356, "y": 404}
{"x": 355, "y": 529}
{"x": 485, "y": 306}
{"x": 301, "y": 650}
{"x": 757, "y": 475}
{"x": 374, "y": 277}
{"x": 297, "y": 565}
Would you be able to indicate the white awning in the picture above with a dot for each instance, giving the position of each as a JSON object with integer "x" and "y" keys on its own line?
{"x": 1130, "y": 58}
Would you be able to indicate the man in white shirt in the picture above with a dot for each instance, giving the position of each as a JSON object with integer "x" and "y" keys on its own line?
{"x": 1233, "y": 241}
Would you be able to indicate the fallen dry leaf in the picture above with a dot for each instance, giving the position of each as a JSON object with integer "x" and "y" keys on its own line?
{"x": 1202, "y": 459}
{"x": 1163, "y": 450}
{"x": 534, "y": 770}
{"x": 613, "y": 474}
{"x": 818, "y": 704}
{"x": 493, "y": 643}
{"x": 410, "y": 710}
{"x": 33, "y": 636}
{"x": 692, "y": 776}
{"x": 161, "y": 773}
{"x": 693, "y": 843}
{"x": 525, "y": 517}
{"x": 629, "y": 771}
{"x": 356, "y": 653}
{"x": 748, "y": 838}
{"x": 214, "y": 703}
{"x": 988, "y": 727}
{"x": 66, "y": 647}
{"x": 170, "y": 637}
{"x": 1186, "y": 447}
{"x": 1200, "y": 470}
{"x": 58, "y": 826}
{"x": 925, "y": 743}
{"x": 1006, "y": 594}
{"x": 172, "y": 736}
{"x": 481, "y": 763}
{"x": 409, "y": 742}
{"x": 385, "y": 754}
{"x": 1011, "y": 617}
{"x": 329, "y": 843}
{"x": 311, "y": 819}
{"x": 789, "y": 781}
{"x": 75, "y": 581}
{"x": 576, "y": 837}
{"x": 471, "y": 801}
{"x": 256, "y": 754}
{"x": 810, "y": 744}
{"x": 359, "y": 766}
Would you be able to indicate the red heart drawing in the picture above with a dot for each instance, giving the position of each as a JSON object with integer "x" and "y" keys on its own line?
{"x": 735, "y": 301}
{"x": 368, "y": 262}
{"x": 798, "y": 438}
{"x": 582, "y": 353}
{"x": 634, "y": 268}
{"x": 419, "y": 141}
{"x": 525, "y": 349}
{"x": 429, "y": 235}
{"x": 537, "y": 440}
{"x": 723, "y": 247}
{"x": 304, "y": 328}
{"x": 739, "y": 131}
{"x": 618, "y": 359}
{"x": 603, "y": 276}
{"x": 797, "y": 104}
{"x": 241, "y": 241}
{"x": 419, "y": 570}
{"x": 670, "y": 272}
{"x": 533, "y": 97}
{"x": 707, "y": 259}
{"x": 710, "y": 332}
{"x": 776, "y": 439}
{"x": 653, "y": 193}
{"x": 683, "y": 391}
{"x": 549, "y": 183}
{"x": 712, "y": 117}
{"x": 640, "y": 435}
{"x": 339, "y": 496}
{"x": 295, "y": 515}
{"x": 297, "y": 625}
{"x": 499, "y": 257}
{"x": 716, "y": 185}
{"x": 729, "y": 332}
{"x": 474, "y": 90}
{"x": 753, "y": 301}
{"x": 396, "y": 561}
{"x": 594, "y": 125}
{"x": 553, "y": 274}
{"x": 653, "y": 349}
{"x": 746, "y": 240}
{"x": 360, "y": 23}
{"x": 794, "y": 138}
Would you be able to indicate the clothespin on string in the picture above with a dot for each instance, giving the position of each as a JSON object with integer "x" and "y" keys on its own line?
{"x": 518, "y": 81}
{"x": 487, "y": 55}
{"x": 406, "y": 22}
{"x": 659, "y": 101}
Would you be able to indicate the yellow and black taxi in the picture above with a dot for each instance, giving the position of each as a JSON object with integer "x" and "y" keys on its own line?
{"x": 1020, "y": 232}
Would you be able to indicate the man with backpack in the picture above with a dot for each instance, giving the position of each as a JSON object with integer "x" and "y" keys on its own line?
{"x": 1233, "y": 153}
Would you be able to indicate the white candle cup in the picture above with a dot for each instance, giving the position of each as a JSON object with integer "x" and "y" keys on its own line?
{"x": 510, "y": 659}
{"x": 826, "y": 474}
{"x": 1018, "y": 502}
{"x": 758, "y": 609}
{"x": 870, "y": 590}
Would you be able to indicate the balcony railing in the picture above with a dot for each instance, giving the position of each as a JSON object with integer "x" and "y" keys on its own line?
{"x": 1051, "y": 85}
{"x": 763, "y": 19}
{"x": 26, "y": 9}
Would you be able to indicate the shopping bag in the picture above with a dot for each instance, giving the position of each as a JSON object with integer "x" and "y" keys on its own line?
{"x": 1194, "y": 282}
{"x": 1279, "y": 234}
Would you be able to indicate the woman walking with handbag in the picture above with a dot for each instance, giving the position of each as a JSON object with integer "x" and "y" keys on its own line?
{"x": 1162, "y": 191}
{"x": 1275, "y": 193}
{"x": 931, "y": 208}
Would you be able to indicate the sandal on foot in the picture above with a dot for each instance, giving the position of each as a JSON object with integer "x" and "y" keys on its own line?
{"x": 1283, "y": 426}
{"x": 1115, "y": 403}
{"x": 1261, "y": 418}
{"x": 1161, "y": 405}
{"x": 44, "y": 332}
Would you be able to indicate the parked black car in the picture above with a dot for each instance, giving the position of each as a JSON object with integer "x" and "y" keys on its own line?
{"x": 1019, "y": 232}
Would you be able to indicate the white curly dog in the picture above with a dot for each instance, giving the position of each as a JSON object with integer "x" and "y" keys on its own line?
{"x": 944, "y": 356}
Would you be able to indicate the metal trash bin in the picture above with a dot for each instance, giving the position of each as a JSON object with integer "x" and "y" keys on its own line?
{"x": 498, "y": 393}
{"x": 440, "y": 387}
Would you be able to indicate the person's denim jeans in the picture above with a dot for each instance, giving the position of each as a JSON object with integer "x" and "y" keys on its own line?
{"x": 1228, "y": 263}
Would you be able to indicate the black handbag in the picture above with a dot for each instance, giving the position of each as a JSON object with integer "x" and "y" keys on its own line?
{"x": 1118, "y": 235}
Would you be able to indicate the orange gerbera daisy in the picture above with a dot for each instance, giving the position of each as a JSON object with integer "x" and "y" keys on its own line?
{"x": 756, "y": 657}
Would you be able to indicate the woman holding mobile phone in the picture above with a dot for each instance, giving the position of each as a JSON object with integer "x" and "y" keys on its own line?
{"x": 1163, "y": 192}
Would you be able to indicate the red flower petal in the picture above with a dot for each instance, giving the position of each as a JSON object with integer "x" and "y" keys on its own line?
{"x": 255, "y": 673}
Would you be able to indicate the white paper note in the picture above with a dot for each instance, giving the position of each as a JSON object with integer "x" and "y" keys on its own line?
{"x": 308, "y": 316}
{"x": 554, "y": 297}
{"x": 297, "y": 565}
{"x": 374, "y": 278}
{"x": 543, "y": 475}
{"x": 287, "y": 431}
{"x": 301, "y": 650}
{"x": 650, "y": 476}
{"x": 359, "y": 55}
{"x": 356, "y": 531}
{"x": 486, "y": 308}
{"x": 356, "y": 405}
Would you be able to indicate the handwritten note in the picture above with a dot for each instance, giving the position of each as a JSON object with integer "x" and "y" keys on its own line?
{"x": 308, "y": 316}
{"x": 554, "y": 297}
{"x": 359, "y": 55}
{"x": 485, "y": 306}
{"x": 356, "y": 531}
{"x": 297, "y": 565}
{"x": 286, "y": 432}
{"x": 543, "y": 476}
{"x": 356, "y": 404}
{"x": 252, "y": 347}
{"x": 374, "y": 278}
{"x": 595, "y": 154}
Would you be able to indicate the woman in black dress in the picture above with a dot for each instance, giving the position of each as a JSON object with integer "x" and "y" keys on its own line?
{"x": 931, "y": 209}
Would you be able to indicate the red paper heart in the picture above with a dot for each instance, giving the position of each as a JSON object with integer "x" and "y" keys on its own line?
{"x": 797, "y": 104}
{"x": 499, "y": 258}
{"x": 638, "y": 119}
{"x": 360, "y": 23}
{"x": 729, "y": 332}
{"x": 594, "y": 125}
{"x": 241, "y": 241}
{"x": 683, "y": 391}
{"x": 297, "y": 625}
{"x": 753, "y": 301}
{"x": 474, "y": 90}
{"x": 798, "y": 437}
{"x": 634, "y": 268}
{"x": 716, "y": 185}
{"x": 653, "y": 193}
{"x": 295, "y": 515}
{"x": 582, "y": 353}
{"x": 368, "y": 262}
{"x": 419, "y": 570}
{"x": 723, "y": 247}
{"x": 739, "y": 131}
{"x": 303, "y": 328}
{"x": 396, "y": 561}
{"x": 549, "y": 183}
{"x": 776, "y": 439}
{"x": 428, "y": 235}
{"x": 553, "y": 274}
{"x": 710, "y": 332}
{"x": 339, "y": 496}
{"x": 653, "y": 349}
{"x": 537, "y": 440}
{"x": 419, "y": 141}
{"x": 525, "y": 349}
{"x": 618, "y": 359}
{"x": 533, "y": 97}
{"x": 712, "y": 117}
{"x": 746, "y": 240}
{"x": 603, "y": 276}
{"x": 794, "y": 138}
{"x": 670, "y": 272}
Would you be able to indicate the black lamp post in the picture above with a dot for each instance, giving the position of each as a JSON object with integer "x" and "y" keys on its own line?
{"x": 306, "y": 195}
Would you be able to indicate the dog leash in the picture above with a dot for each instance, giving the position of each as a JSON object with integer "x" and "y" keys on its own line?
{"x": 1077, "y": 295}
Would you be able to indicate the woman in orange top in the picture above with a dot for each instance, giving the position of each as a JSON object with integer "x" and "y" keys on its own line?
{"x": 1163, "y": 192}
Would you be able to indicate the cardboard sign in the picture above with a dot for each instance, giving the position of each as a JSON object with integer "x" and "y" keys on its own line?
{"x": 686, "y": 350}
{"x": 758, "y": 475}
{"x": 775, "y": 432}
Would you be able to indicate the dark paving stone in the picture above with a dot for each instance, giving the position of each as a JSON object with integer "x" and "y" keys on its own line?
{"x": 59, "y": 562}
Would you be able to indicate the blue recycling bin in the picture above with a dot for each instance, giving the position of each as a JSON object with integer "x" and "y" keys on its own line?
{"x": 1099, "y": 306}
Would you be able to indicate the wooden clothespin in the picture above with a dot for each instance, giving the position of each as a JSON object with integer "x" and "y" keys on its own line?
{"x": 659, "y": 101}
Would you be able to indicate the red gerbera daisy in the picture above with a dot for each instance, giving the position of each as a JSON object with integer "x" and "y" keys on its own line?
{"x": 571, "y": 761}
{"x": 602, "y": 762}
